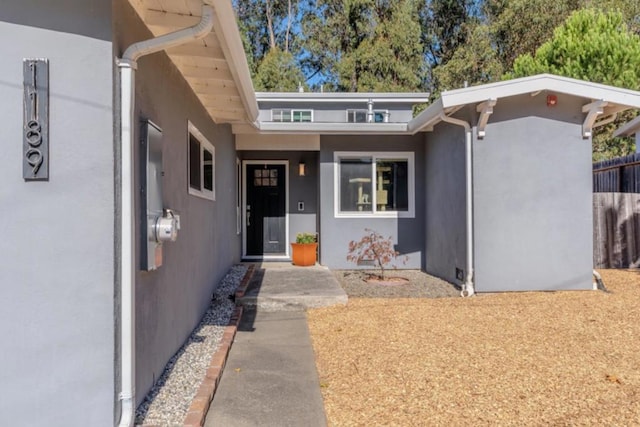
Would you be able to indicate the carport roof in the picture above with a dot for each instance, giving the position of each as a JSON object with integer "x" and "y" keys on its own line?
{"x": 603, "y": 102}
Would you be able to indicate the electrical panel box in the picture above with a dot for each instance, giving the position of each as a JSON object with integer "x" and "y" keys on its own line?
{"x": 157, "y": 224}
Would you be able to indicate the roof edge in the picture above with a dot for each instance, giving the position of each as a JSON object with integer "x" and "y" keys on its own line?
{"x": 227, "y": 30}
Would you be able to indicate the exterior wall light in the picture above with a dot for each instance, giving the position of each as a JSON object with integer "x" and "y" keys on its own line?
{"x": 552, "y": 100}
{"x": 301, "y": 169}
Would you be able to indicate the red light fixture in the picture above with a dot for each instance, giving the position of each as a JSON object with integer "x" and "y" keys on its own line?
{"x": 552, "y": 100}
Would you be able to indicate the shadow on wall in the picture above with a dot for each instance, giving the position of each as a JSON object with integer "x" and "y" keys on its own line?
{"x": 90, "y": 18}
{"x": 210, "y": 318}
{"x": 407, "y": 242}
{"x": 407, "y": 246}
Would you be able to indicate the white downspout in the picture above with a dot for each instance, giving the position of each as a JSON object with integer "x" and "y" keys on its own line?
{"x": 127, "y": 66}
{"x": 468, "y": 288}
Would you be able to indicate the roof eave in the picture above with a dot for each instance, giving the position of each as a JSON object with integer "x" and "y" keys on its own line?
{"x": 227, "y": 30}
{"x": 334, "y": 128}
{"x": 629, "y": 128}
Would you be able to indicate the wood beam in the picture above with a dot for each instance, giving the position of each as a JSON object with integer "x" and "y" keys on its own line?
{"x": 205, "y": 73}
{"x": 211, "y": 97}
{"x": 172, "y": 21}
{"x": 213, "y": 87}
{"x": 201, "y": 62}
{"x": 197, "y": 50}
{"x": 220, "y": 104}
{"x": 223, "y": 115}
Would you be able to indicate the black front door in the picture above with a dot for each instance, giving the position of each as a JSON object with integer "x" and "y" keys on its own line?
{"x": 265, "y": 214}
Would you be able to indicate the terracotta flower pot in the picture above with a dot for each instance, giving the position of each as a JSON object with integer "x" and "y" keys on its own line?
{"x": 304, "y": 254}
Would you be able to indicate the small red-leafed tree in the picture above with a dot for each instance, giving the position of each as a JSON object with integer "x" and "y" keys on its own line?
{"x": 373, "y": 246}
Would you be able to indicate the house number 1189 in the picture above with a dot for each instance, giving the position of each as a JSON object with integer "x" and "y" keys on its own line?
{"x": 36, "y": 120}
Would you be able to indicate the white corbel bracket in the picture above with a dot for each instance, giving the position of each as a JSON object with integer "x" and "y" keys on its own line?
{"x": 593, "y": 110}
{"x": 485, "y": 109}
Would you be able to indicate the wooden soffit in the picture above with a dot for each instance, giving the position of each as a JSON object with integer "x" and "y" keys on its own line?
{"x": 215, "y": 67}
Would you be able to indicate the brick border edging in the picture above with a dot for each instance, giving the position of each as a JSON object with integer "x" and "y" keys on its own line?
{"x": 202, "y": 400}
{"x": 200, "y": 404}
{"x": 242, "y": 287}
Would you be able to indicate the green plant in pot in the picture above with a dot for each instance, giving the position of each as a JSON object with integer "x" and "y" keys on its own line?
{"x": 303, "y": 251}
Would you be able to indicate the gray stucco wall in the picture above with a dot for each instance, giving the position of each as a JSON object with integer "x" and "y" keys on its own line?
{"x": 445, "y": 216}
{"x": 532, "y": 198}
{"x": 301, "y": 188}
{"x": 336, "y": 233}
{"x": 56, "y": 263}
{"x": 171, "y": 300}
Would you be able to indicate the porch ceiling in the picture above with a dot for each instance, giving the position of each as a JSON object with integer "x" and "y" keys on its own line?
{"x": 215, "y": 67}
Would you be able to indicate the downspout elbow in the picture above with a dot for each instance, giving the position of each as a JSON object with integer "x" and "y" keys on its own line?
{"x": 454, "y": 121}
{"x": 176, "y": 38}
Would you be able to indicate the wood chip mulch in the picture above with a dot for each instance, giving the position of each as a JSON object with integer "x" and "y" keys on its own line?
{"x": 531, "y": 358}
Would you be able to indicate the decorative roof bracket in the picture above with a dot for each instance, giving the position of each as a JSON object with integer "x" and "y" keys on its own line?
{"x": 593, "y": 110}
{"x": 485, "y": 109}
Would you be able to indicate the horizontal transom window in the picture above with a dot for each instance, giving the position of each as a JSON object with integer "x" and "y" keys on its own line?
{"x": 360, "y": 116}
{"x": 374, "y": 184}
{"x": 292, "y": 115}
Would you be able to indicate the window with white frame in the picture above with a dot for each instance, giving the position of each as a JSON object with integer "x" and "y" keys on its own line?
{"x": 238, "y": 197}
{"x": 360, "y": 116}
{"x": 202, "y": 165}
{"x": 375, "y": 184}
{"x": 292, "y": 115}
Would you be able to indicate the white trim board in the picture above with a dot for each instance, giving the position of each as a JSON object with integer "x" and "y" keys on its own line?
{"x": 274, "y": 142}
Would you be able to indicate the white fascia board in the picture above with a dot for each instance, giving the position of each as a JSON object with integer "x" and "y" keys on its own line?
{"x": 333, "y": 128}
{"x": 341, "y": 97}
{"x": 629, "y": 128}
{"x": 541, "y": 82}
{"x": 227, "y": 32}
{"x": 427, "y": 118}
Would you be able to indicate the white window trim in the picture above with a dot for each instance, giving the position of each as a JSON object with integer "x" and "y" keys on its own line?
{"x": 363, "y": 110}
{"x": 238, "y": 197}
{"x": 204, "y": 144}
{"x": 395, "y": 155}
{"x": 292, "y": 110}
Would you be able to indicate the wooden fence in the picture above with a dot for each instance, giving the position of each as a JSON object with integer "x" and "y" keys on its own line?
{"x": 616, "y": 230}
{"x": 619, "y": 175}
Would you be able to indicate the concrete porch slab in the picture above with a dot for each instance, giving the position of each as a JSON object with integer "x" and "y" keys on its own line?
{"x": 278, "y": 286}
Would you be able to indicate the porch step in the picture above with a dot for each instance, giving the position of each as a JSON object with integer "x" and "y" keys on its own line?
{"x": 284, "y": 287}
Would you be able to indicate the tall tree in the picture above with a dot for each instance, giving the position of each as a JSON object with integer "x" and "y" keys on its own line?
{"x": 472, "y": 63}
{"x": 443, "y": 27}
{"x": 278, "y": 72}
{"x": 521, "y": 26}
{"x": 594, "y": 46}
{"x": 365, "y": 45}
{"x": 270, "y": 31}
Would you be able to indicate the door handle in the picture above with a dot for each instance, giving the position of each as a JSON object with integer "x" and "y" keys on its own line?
{"x": 248, "y": 218}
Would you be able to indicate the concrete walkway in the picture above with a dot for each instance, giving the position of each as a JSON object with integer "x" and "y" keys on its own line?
{"x": 282, "y": 286}
{"x": 270, "y": 378}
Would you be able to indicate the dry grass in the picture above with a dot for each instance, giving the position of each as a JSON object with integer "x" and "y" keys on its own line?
{"x": 540, "y": 358}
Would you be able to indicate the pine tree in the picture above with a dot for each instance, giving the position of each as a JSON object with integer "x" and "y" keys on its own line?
{"x": 594, "y": 46}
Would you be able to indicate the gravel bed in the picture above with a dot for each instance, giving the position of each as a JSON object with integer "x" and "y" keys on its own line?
{"x": 419, "y": 285}
{"x": 169, "y": 399}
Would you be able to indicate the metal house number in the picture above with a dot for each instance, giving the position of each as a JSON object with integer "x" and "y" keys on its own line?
{"x": 35, "y": 161}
